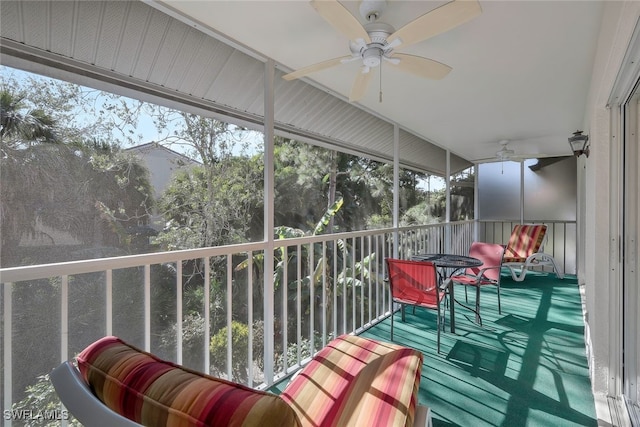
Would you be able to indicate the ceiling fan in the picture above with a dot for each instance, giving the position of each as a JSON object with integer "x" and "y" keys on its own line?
{"x": 507, "y": 154}
{"x": 503, "y": 154}
{"x": 378, "y": 42}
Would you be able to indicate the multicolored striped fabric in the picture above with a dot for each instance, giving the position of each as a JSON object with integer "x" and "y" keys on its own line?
{"x": 154, "y": 392}
{"x": 356, "y": 381}
{"x": 525, "y": 240}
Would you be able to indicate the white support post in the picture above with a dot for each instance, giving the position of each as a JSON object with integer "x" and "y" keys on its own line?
{"x": 269, "y": 221}
{"x": 179, "y": 312}
{"x": 396, "y": 187}
{"x": 147, "y": 307}
{"x": 250, "y": 317}
{"x": 109, "y": 302}
{"x": 229, "y": 310}
{"x": 447, "y": 220}
{"x": 8, "y": 335}
{"x": 522, "y": 192}
{"x": 476, "y": 214}
{"x": 207, "y": 315}
{"x": 64, "y": 319}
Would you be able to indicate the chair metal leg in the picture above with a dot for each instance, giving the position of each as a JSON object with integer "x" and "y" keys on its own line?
{"x": 392, "y": 314}
{"x": 478, "y": 318}
{"x": 438, "y": 327}
{"x": 499, "y": 307}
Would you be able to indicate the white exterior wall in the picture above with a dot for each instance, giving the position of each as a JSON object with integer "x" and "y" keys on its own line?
{"x": 600, "y": 207}
{"x": 162, "y": 164}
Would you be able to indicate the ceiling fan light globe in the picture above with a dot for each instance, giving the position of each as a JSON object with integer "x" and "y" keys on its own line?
{"x": 372, "y": 57}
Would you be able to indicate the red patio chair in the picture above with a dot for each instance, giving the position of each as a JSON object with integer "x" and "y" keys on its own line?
{"x": 525, "y": 250}
{"x": 415, "y": 283}
{"x": 487, "y": 274}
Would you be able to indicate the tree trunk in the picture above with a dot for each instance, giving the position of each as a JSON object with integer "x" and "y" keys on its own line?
{"x": 333, "y": 181}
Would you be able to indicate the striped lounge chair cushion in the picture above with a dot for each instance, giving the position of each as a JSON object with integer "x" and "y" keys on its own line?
{"x": 154, "y": 392}
{"x": 525, "y": 240}
{"x": 356, "y": 381}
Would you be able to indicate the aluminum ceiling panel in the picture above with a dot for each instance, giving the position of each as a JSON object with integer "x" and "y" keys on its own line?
{"x": 420, "y": 155}
{"x": 10, "y": 20}
{"x": 155, "y": 39}
{"x": 62, "y": 35}
{"x": 135, "y": 26}
{"x": 33, "y": 15}
{"x": 109, "y": 33}
{"x": 305, "y": 107}
{"x": 86, "y": 23}
{"x": 172, "y": 42}
{"x": 240, "y": 84}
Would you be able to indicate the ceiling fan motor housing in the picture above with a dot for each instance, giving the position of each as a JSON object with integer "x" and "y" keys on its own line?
{"x": 379, "y": 31}
{"x": 373, "y": 52}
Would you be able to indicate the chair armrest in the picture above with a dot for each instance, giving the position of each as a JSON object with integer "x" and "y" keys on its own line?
{"x": 481, "y": 272}
{"x": 81, "y": 402}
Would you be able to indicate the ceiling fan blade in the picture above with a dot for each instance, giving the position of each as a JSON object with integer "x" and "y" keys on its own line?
{"x": 341, "y": 19}
{"x": 437, "y": 21}
{"x": 359, "y": 87}
{"x": 421, "y": 67}
{"x": 316, "y": 67}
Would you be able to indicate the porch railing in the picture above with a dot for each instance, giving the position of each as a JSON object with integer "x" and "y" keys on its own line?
{"x": 204, "y": 308}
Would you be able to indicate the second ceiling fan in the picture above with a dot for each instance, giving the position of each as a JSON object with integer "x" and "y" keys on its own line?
{"x": 377, "y": 41}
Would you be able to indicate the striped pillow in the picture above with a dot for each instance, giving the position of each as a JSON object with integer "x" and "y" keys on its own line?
{"x": 356, "y": 381}
{"x": 154, "y": 392}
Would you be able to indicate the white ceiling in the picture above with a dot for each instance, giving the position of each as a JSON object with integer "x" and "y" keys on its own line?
{"x": 521, "y": 70}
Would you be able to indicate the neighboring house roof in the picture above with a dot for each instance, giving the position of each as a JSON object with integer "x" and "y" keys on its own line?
{"x": 162, "y": 162}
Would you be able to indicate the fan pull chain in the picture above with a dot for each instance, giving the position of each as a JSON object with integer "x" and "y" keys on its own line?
{"x": 380, "y": 97}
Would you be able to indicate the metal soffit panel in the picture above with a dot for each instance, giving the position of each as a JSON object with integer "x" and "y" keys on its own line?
{"x": 144, "y": 45}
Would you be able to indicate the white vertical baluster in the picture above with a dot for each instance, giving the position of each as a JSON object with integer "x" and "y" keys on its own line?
{"x": 207, "y": 315}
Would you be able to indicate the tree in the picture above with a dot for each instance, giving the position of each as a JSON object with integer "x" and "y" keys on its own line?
{"x": 216, "y": 205}
{"x": 56, "y": 175}
{"x": 19, "y": 127}
{"x": 55, "y": 178}
{"x": 310, "y": 179}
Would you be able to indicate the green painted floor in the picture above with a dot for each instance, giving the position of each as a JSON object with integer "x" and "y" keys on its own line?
{"x": 524, "y": 367}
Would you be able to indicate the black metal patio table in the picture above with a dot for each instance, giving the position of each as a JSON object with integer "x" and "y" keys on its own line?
{"x": 450, "y": 264}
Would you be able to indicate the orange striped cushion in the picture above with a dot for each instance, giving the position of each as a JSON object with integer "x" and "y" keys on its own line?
{"x": 154, "y": 392}
{"x": 356, "y": 381}
{"x": 525, "y": 241}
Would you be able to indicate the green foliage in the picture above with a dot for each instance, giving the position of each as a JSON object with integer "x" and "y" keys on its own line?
{"x": 328, "y": 216}
{"x": 55, "y": 177}
{"x": 192, "y": 341}
{"x": 213, "y": 206}
{"x": 41, "y": 399}
{"x": 304, "y": 348}
{"x": 239, "y": 345}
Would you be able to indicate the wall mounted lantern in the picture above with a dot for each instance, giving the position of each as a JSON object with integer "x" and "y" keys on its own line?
{"x": 579, "y": 143}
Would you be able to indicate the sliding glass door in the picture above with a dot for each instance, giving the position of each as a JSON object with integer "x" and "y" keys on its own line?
{"x": 631, "y": 258}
